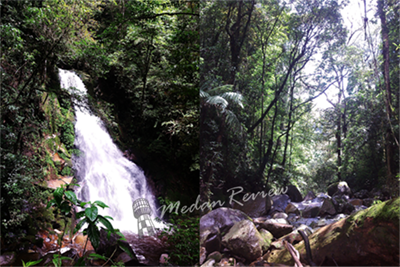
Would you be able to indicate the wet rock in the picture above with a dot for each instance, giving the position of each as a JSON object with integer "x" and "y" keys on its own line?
{"x": 310, "y": 196}
{"x": 277, "y": 229}
{"x": 341, "y": 204}
{"x": 363, "y": 193}
{"x": 279, "y": 203}
{"x": 321, "y": 197}
{"x": 209, "y": 263}
{"x": 280, "y": 215}
{"x": 220, "y": 220}
{"x": 306, "y": 221}
{"x": 267, "y": 236}
{"x": 310, "y": 210}
{"x": 294, "y": 194}
{"x": 202, "y": 255}
{"x": 320, "y": 223}
{"x": 216, "y": 255}
{"x": 244, "y": 240}
{"x": 292, "y": 208}
{"x": 293, "y": 237}
{"x": 327, "y": 207}
{"x": 370, "y": 237}
{"x": 355, "y": 202}
{"x": 260, "y": 220}
{"x": 339, "y": 189}
{"x": 254, "y": 206}
{"x": 8, "y": 258}
{"x": 212, "y": 242}
{"x": 348, "y": 208}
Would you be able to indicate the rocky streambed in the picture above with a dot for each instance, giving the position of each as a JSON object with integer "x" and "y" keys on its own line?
{"x": 340, "y": 228}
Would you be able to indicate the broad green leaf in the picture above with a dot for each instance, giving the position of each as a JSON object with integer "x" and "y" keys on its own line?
{"x": 51, "y": 203}
{"x": 91, "y": 213}
{"x": 94, "y": 235}
{"x": 97, "y": 256}
{"x": 30, "y": 263}
{"x": 58, "y": 194}
{"x": 71, "y": 196}
{"x": 100, "y": 204}
{"x": 125, "y": 247}
{"x": 108, "y": 217}
{"x": 106, "y": 223}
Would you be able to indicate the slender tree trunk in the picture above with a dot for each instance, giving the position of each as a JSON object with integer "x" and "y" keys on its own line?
{"x": 288, "y": 126}
{"x": 267, "y": 155}
{"x": 390, "y": 142}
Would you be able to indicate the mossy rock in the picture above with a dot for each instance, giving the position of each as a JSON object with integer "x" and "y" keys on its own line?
{"x": 369, "y": 237}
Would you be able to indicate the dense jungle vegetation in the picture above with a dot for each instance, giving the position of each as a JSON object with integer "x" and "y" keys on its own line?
{"x": 262, "y": 65}
{"x": 139, "y": 62}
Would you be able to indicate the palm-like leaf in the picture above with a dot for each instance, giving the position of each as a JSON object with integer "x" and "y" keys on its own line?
{"x": 222, "y": 98}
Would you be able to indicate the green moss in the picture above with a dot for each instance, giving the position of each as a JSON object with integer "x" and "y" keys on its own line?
{"x": 385, "y": 211}
{"x": 67, "y": 171}
{"x": 68, "y": 134}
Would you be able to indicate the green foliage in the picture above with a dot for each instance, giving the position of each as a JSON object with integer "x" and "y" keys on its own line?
{"x": 182, "y": 238}
{"x": 65, "y": 201}
{"x": 30, "y": 263}
{"x": 67, "y": 134}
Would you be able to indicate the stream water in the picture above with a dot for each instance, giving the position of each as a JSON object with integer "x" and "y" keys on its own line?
{"x": 103, "y": 172}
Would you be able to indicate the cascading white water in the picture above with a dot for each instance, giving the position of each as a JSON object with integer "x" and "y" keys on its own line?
{"x": 103, "y": 172}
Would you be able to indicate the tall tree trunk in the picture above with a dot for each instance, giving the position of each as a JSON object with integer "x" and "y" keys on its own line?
{"x": 237, "y": 32}
{"x": 390, "y": 142}
{"x": 288, "y": 126}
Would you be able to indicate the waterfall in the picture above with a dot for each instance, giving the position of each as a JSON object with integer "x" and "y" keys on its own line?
{"x": 103, "y": 172}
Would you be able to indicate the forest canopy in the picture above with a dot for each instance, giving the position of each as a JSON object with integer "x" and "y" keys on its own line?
{"x": 263, "y": 63}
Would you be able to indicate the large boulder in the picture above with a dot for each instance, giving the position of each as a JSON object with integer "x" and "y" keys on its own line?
{"x": 310, "y": 196}
{"x": 244, "y": 240}
{"x": 339, "y": 189}
{"x": 216, "y": 222}
{"x": 370, "y": 237}
{"x": 327, "y": 207}
{"x": 279, "y": 203}
{"x": 267, "y": 236}
{"x": 294, "y": 194}
{"x": 254, "y": 206}
{"x": 342, "y": 205}
{"x": 305, "y": 209}
{"x": 222, "y": 219}
{"x": 276, "y": 229}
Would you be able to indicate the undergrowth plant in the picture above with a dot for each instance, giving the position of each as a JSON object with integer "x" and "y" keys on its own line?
{"x": 182, "y": 238}
{"x": 65, "y": 201}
